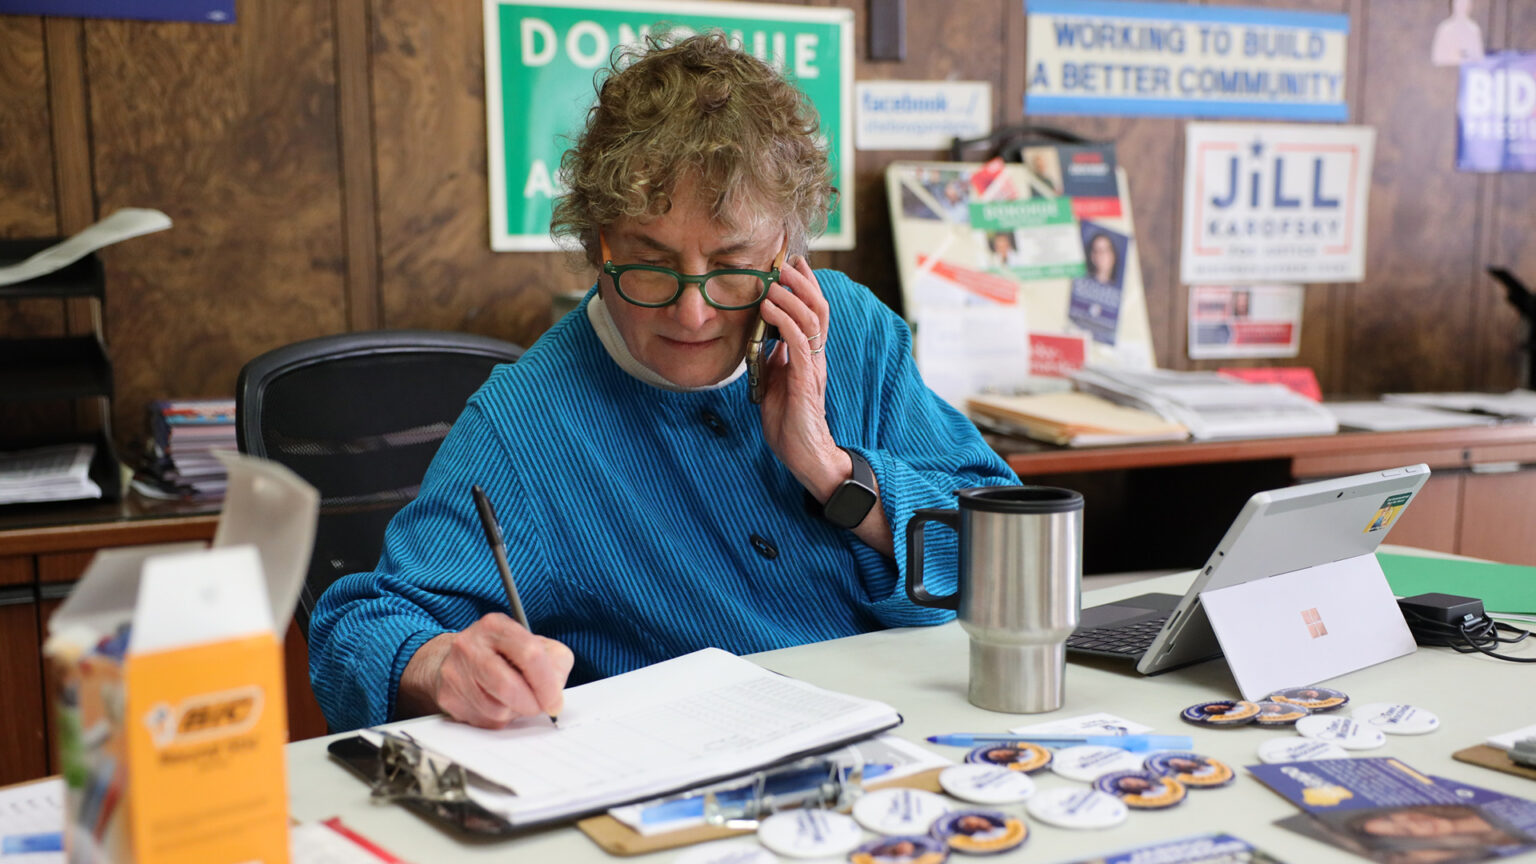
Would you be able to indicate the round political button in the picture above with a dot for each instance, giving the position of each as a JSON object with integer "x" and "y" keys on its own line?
{"x": 809, "y": 833}
{"x": 1141, "y": 790}
{"x": 1279, "y": 713}
{"x": 1293, "y": 749}
{"x": 1343, "y": 731}
{"x": 1090, "y": 762}
{"x": 979, "y": 832}
{"x": 727, "y": 852}
{"x": 908, "y": 849}
{"x": 1191, "y": 769}
{"x": 1222, "y": 712}
{"x": 1397, "y": 719}
{"x": 986, "y": 784}
{"x": 1077, "y": 808}
{"x": 1314, "y": 699}
{"x": 899, "y": 811}
{"x": 1018, "y": 756}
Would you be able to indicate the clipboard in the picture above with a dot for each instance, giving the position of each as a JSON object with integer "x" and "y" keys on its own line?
{"x": 464, "y": 815}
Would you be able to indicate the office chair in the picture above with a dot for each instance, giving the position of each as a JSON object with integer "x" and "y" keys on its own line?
{"x": 359, "y": 416}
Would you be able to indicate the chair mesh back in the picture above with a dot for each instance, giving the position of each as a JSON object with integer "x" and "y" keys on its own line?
{"x": 361, "y": 423}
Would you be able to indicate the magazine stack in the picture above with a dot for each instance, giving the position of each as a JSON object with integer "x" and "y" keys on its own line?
{"x": 180, "y": 461}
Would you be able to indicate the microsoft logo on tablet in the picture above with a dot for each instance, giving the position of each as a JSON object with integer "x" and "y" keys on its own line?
{"x": 1314, "y": 622}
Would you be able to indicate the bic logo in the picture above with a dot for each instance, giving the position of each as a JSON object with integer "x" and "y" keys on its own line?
{"x": 1314, "y": 621}
{"x": 205, "y": 717}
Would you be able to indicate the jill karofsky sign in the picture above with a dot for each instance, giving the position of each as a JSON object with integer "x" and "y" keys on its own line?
{"x": 1275, "y": 203}
{"x": 541, "y": 56}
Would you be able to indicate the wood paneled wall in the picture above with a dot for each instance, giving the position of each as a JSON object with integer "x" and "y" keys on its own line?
{"x": 325, "y": 164}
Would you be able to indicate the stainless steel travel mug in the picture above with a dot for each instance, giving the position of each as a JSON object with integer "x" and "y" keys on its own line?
{"x": 1018, "y": 592}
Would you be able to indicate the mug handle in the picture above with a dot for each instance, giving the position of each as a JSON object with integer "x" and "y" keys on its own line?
{"x": 915, "y": 591}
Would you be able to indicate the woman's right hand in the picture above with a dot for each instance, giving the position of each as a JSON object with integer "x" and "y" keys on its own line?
{"x": 487, "y": 675}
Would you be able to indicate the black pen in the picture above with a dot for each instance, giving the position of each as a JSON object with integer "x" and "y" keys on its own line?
{"x": 492, "y": 527}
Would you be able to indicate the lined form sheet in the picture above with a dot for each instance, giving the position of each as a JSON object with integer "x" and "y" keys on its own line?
{"x": 678, "y": 723}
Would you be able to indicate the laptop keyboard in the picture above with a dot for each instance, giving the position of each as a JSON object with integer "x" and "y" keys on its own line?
{"x": 1131, "y": 640}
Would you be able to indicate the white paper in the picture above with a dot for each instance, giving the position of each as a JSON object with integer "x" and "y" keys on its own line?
{"x": 680, "y": 723}
{"x": 125, "y": 223}
{"x": 28, "y": 810}
{"x": 920, "y": 115}
{"x": 318, "y": 843}
{"x": 1297, "y": 629}
{"x": 1389, "y": 417}
{"x": 1517, "y": 404}
{"x": 57, "y": 473}
{"x": 1100, "y": 723}
{"x": 1507, "y": 740}
{"x": 200, "y": 597}
{"x": 972, "y": 349}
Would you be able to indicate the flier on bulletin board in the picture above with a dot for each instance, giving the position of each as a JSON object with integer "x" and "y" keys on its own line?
{"x": 540, "y": 58}
{"x": 1244, "y": 321}
{"x": 1275, "y": 203}
{"x": 1496, "y": 114}
{"x": 1014, "y": 275}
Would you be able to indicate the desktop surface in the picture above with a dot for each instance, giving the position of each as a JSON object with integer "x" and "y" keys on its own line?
{"x": 922, "y": 672}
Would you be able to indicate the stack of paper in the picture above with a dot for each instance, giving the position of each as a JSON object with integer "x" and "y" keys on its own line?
{"x": 678, "y": 724}
{"x": 1394, "y": 417}
{"x": 1208, "y": 404}
{"x": 60, "y": 473}
{"x": 1075, "y": 419}
{"x": 1518, "y": 405}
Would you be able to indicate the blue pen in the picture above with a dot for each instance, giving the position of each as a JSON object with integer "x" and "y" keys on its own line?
{"x": 1135, "y": 743}
{"x": 693, "y": 805}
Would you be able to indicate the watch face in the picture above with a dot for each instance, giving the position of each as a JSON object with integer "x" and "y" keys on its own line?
{"x": 849, "y": 504}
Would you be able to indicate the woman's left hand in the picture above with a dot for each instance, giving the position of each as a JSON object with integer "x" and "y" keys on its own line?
{"x": 795, "y": 382}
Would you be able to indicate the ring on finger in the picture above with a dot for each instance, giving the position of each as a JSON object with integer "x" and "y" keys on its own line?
{"x": 815, "y": 351}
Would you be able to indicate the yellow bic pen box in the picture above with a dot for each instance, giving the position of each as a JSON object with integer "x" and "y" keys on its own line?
{"x": 170, "y": 700}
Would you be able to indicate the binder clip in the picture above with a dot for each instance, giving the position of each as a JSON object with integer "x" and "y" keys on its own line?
{"x": 430, "y": 785}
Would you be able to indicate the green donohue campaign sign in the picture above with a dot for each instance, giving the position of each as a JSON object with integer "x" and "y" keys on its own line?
{"x": 541, "y": 56}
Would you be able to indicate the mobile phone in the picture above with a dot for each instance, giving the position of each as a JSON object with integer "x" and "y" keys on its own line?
{"x": 759, "y": 348}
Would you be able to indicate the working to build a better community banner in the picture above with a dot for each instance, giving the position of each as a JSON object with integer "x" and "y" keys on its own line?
{"x": 1168, "y": 59}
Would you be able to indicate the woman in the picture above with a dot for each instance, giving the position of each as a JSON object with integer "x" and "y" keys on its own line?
{"x": 651, "y": 507}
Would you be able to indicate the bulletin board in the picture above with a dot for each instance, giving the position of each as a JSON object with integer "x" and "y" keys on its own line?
{"x": 1015, "y": 273}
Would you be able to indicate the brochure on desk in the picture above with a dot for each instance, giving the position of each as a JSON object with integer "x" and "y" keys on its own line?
{"x": 1384, "y": 810}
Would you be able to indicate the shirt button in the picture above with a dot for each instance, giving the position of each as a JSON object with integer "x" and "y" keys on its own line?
{"x": 713, "y": 421}
{"x": 764, "y": 548}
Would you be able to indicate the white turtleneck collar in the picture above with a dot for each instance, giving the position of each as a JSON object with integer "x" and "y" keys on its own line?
{"x": 613, "y": 342}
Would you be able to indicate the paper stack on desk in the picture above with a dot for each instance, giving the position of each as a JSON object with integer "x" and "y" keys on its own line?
{"x": 678, "y": 724}
{"x": 1074, "y": 419}
{"x": 1211, "y": 406}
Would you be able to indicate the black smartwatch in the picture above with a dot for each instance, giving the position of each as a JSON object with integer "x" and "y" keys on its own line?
{"x": 851, "y": 501}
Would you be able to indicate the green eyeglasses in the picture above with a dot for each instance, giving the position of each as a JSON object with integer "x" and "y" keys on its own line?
{"x": 726, "y": 290}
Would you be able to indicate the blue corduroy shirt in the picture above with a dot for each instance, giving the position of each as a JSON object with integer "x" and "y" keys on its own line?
{"x": 643, "y": 523}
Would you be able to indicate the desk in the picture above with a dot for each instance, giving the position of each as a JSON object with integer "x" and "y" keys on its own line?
{"x": 922, "y": 672}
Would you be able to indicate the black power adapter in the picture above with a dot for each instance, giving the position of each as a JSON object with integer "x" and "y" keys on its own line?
{"x": 1459, "y": 623}
{"x": 1441, "y": 608}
